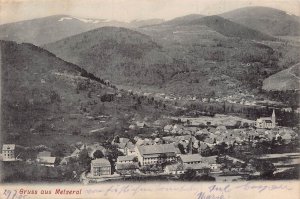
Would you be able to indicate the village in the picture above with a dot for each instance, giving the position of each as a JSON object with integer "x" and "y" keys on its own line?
{"x": 182, "y": 150}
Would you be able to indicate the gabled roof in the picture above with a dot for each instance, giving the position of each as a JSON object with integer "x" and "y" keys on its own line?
{"x": 47, "y": 160}
{"x": 191, "y": 158}
{"x": 221, "y": 128}
{"x": 123, "y": 140}
{"x": 44, "y": 154}
{"x": 121, "y": 145}
{"x": 101, "y": 162}
{"x": 130, "y": 145}
{"x": 265, "y": 118}
{"x": 210, "y": 159}
{"x": 175, "y": 167}
{"x": 197, "y": 166}
{"x": 127, "y": 166}
{"x": 126, "y": 158}
{"x": 157, "y": 149}
{"x": 8, "y": 147}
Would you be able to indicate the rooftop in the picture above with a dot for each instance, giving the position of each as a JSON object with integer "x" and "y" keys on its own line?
{"x": 157, "y": 149}
{"x": 175, "y": 167}
{"x": 197, "y": 166}
{"x": 101, "y": 162}
{"x": 126, "y": 158}
{"x": 127, "y": 166}
{"x": 47, "y": 160}
{"x": 8, "y": 147}
{"x": 265, "y": 118}
{"x": 191, "y": 158}
{"x": 44, "y": 154}
{"x": 210, "y": 159}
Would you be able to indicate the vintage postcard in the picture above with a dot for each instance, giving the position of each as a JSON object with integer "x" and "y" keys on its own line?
{"x": 150, "y": 99}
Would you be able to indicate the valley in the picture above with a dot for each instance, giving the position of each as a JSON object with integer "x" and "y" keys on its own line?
{"x": 220, "y": 91}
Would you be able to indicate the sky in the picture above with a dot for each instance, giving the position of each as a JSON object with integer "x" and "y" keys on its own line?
{"x": 128, "y": 10}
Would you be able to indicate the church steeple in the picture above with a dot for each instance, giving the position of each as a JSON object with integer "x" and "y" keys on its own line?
{"x": 274, "y": 118}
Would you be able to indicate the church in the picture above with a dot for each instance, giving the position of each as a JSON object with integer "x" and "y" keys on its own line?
{"x": 266, "y": 122}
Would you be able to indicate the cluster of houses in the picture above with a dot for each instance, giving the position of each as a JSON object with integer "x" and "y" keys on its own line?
{"x": 263, "y": 129}
{"x": 165, "y": 150}
{"x": 175, "y": 151}
{"x": 145, "y": 156}
{"x": 43, "y": 158}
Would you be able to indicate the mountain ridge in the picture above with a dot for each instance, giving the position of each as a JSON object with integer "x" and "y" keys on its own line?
{"x": 285, "y": 80}
{"x": 267, "y": 20}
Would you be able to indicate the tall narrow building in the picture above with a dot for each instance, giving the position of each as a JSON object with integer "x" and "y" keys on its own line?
{"x": 273, "y": 118}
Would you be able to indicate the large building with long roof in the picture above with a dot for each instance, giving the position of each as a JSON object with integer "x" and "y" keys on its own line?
{"x": 153, "y": 154}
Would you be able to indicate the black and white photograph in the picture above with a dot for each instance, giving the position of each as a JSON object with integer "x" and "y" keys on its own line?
{"x": 102, "y": 92}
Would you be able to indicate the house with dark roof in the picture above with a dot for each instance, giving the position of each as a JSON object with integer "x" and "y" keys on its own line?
{"x": 153, "y": 154}
{"x": 100, "y": 167}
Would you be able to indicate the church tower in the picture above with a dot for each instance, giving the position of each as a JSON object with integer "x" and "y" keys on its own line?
{"x": 273, "y": 118}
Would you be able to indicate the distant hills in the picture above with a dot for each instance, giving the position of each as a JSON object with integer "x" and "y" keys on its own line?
{"x": 147, "y": 22}
{"x": 254, "y": 23}
{"x": 267, "y": 20}
{"x": 42, "y": 94}
{"x": 117, "y": 54}
{"x": 182, "y": 59}
{"x": 49, "y": 29}
{"x": 36, "y": 85}
{"x": 193, "y": 54}
{"x": 183, "y": 20}
{"x": 53, "y": 28}
{"x": 229, "y": 28}
{"x": 286, "y": 80}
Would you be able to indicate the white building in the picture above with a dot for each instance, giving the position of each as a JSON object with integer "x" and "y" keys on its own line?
{"x": 266, "y": 122}
{"x": 126, "y": 159}
{"x": 47, "y": 161}
{"x": 153, "y": 154}
{"x": 8, "y": 152}
{"x": 100, "y": 167}
{"x": 191, "y": 158}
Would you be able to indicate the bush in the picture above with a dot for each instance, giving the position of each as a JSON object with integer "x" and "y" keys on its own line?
{"x": 107, "y": 98}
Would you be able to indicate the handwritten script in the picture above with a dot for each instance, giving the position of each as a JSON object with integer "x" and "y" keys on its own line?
{"x": 198, "y": 190}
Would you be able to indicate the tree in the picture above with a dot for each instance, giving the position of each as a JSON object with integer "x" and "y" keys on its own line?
{"x": 190, "y": 174}
{"x": 117, "y": 139}
{"x": 84, "y": 159}
{"x": 60, "y": 149}
{"x": 181, "y": 148}
{"x": 54, "y": 97}
{"x": 98, "y": 154}
{"x": 107, "y": 98}
{"x": 89, "y": 94}
{"x": 266, "y": 168}
{"x": 135, "y": 159}
{"x": 221, "y": 148}
{"x": 245, "y": 125}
